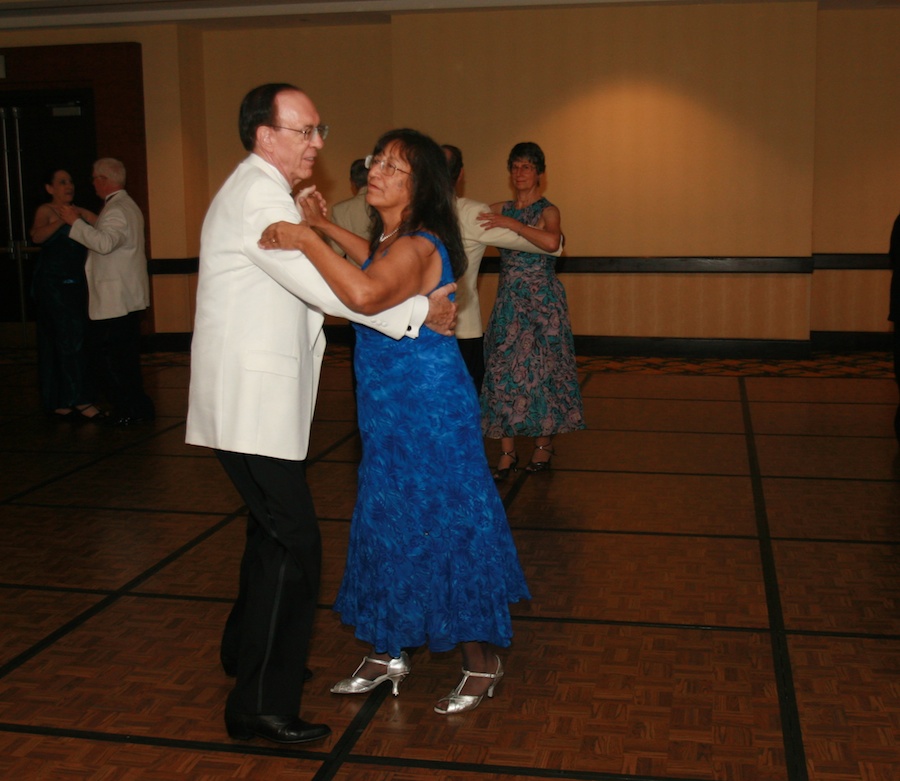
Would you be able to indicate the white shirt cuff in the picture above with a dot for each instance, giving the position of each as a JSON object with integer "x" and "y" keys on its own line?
{"x": 417, "y": 316}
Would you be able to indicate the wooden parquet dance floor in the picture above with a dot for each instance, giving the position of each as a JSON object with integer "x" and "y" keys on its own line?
{"x": 714, "y": 568}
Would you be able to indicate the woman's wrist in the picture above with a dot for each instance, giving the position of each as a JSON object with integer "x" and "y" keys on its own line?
{"x": 301, "y": 240}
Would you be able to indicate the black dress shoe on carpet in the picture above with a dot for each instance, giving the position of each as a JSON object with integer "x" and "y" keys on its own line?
{"x": 123, "y": 421}
{"x": 281, "y": 729}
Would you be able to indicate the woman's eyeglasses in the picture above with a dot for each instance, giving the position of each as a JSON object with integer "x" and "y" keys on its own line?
{"x": 388, "y": 169}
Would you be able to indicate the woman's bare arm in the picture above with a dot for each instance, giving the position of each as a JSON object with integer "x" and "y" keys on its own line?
{"x": 546, "y": 234}
{"x": 410, "y": 266}
{"x": 46, "y": 222}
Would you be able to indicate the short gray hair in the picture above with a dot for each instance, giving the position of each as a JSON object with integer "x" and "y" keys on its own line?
{"x": 112, "y": 169}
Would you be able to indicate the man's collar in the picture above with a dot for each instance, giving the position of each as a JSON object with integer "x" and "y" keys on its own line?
{"x": 270, "y": 169}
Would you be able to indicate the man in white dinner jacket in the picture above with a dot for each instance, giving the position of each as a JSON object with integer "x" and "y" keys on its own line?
{"x": 476, "y": 239}
{"x": 255, "y": 361}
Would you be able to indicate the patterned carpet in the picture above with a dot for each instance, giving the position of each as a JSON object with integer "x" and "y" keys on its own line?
{"x": 874, "y": 365}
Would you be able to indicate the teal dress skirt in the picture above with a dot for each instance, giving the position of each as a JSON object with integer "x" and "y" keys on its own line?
{"x": 431, "y": 559}
{"x": 531, "y": 378}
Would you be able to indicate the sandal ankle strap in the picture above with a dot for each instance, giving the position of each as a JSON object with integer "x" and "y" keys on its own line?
{"x": 480, "y": 675}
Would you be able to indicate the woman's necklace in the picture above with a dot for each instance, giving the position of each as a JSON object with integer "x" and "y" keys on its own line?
{"x": 384, "y": 237}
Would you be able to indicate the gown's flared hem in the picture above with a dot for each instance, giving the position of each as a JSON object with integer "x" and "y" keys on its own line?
{"x": 494, "y": 434}
{"x": 441, "y": 645}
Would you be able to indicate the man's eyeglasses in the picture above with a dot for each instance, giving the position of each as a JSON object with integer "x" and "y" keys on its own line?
{"x": 320, "y": 130}
{"x": 388, "y": 169}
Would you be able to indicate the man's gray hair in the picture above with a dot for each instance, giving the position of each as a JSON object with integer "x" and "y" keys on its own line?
{"x": 112, "y": 169}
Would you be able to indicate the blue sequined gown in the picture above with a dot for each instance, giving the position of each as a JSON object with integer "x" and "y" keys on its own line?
{"x": 431, "y": 559}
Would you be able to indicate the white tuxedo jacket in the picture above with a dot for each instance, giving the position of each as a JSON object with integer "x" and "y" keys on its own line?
{"x": 475, "y": 241}
{"x": 116, "y": 266}
{"x": 258, "y": 342}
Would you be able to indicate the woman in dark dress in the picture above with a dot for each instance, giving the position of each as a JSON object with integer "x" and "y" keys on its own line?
{"x": 60, "y": 291}
{"x": 431, "y": 558}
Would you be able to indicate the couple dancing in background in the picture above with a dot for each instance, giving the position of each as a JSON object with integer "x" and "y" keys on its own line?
{"x": 91, "y": 287}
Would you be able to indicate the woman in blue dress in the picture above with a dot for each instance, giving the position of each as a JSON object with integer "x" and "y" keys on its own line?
{"x": 531, "y": 379}
{"x": 60, "y": 291}
{"x": 431, "y": 558}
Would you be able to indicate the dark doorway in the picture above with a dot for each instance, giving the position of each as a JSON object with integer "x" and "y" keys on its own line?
{"x": 41, "y": 130}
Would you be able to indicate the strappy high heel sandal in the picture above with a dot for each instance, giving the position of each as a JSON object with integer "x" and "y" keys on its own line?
{"x": 540, "y": 466}
{"x": 502, "y": 474}
{"x": 396, "y": 670}
{"x": 460, "y": 703}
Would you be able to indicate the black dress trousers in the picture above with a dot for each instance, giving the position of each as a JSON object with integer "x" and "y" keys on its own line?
{"x": 267, "y": 634}
{"x": 116, "y": 353}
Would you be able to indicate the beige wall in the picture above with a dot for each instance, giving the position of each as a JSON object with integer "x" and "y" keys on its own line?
{"x": 345, "y": 69}
{"x": 857, "y": 163}
{"x": 850, "y": 300}
{"x": 857, "y": 153}
{"x": 732, "y": 129}
{"x": 667, "y": 130}
{"x": 194, "y": 151}
{"x": 683, "y": 306}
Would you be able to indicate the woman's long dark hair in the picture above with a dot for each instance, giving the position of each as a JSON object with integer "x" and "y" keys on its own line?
{"x": 432, "y": 206}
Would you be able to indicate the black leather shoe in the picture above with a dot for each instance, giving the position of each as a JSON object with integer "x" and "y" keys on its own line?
{"x": 281, "y": 729}
{"x": 129, "y": 420}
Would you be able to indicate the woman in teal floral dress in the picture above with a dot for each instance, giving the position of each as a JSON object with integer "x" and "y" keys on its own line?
{"x": 531, "y": 383}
